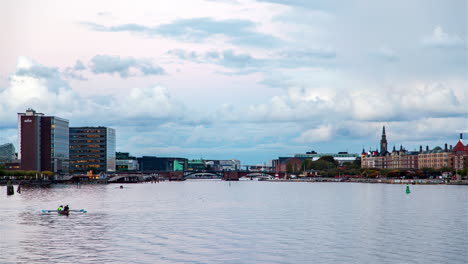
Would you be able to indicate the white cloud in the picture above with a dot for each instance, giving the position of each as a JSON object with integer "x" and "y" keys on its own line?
{"x": 319, "y": 134}
{"x": 442, "y": 39}
{"x": 40, "y": 87}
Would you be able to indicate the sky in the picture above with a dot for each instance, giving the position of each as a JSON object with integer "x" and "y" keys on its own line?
{"x": 240, "y": 79}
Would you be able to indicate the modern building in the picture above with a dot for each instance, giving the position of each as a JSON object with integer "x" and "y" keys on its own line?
{"x": 341, "y": 157}
{"x": 151, "y": 163}
{"x": 7, "y": 153}
{"x": 197, "y": 165}
{"x": 223, "y": 165}
{"x": 43, "y": 142}
{"x": 92, "y": 149}
{"x": 125, "y": 162}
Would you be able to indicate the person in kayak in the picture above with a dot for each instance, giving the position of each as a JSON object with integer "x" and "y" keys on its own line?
{"x": 66, "y": 208}
{"x": 60, "y": 208}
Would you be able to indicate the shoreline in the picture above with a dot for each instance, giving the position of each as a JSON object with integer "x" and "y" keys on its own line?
{"x": 380, "y": 181}
{"x": 312, "y": 180}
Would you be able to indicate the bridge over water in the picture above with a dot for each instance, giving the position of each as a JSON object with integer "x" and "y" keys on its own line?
{"x": 223, "y": 175}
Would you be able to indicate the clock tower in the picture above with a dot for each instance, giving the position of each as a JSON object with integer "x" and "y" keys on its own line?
{"x": 383, "y": 143}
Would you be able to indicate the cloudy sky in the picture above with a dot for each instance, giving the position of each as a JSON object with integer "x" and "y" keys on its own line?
{"x": 244, "y": 79}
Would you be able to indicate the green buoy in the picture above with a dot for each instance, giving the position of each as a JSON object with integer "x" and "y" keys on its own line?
{"x": 407, "y": 189}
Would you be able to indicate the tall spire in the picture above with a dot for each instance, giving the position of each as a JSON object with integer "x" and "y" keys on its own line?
{"x": 383, "y": 143}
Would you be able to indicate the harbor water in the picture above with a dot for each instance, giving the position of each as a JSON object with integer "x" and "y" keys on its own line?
{"x": 212, "y": 221}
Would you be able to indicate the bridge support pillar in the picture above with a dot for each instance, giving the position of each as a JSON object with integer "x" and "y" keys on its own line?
{"x": 231, "y": 176}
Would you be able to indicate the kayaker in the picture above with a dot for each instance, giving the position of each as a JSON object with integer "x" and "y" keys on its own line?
{"x": 66, "y": 208}
{"x": 60, "y": 208}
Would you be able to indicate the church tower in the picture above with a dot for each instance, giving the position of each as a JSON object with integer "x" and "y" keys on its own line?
{"x": 383, "y": 143}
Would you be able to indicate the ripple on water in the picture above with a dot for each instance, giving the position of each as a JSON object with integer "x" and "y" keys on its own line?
{"x": 237, "y": 222}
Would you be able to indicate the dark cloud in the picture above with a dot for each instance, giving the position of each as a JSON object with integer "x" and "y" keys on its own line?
{"x": 115, "y": 64}
{"x": 239, "y": 31}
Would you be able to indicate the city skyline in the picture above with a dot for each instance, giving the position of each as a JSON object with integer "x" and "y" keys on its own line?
{"x": 247, "y": 80}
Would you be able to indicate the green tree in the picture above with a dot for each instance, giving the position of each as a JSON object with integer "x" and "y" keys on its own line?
{"x": 306, "y": 164}
{"x": 329, "y": 159}
{"x": 289, "y": 168}
{"x": 357, "y": 163}
{"x": 322, "y": 165}
{"x": 48, "y": 173}
{"x": 384, "y": 172}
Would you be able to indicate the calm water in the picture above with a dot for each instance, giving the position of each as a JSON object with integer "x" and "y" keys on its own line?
{"x": 238, "y": 222}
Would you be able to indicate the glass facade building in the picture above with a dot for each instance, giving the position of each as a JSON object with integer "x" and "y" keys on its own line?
{"x": 92, "y": 149}
{"x": 7, "y": 153}
{"x": 60, "y": 144}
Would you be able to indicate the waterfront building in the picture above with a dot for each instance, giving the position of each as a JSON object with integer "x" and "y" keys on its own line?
{"x": 92, "y": 149}
{"x": 460, "y": 155}
{"x": 281, "y": 164}
{"x": 43, "y": 142}
{"x": 12, "y": 165}
{"x": 151, "y": 163}
{"x": 125, "y": 162}
{"x": 127, "y": 165}
{"x": 198, "y": 165}
{"x": 436, "y": 158}
{"x": 372, "y": 159}
{"x": 223, "y": 165}
{"x": 401, "y": 159}
{"x": 7, "y": 153}
{"x": 341, "y": 157}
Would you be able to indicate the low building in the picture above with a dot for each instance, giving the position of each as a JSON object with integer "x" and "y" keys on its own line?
{"x": 197, "y": 165}
{"x": 12, "y": 165}
{"x": 151, "y": 163}
{"x": 127, "y": 165}
{"x": 341, "y": 157}
{"x": 125, "y": 162}
{"x": 223, "y": 165}
{"x": 283, "y": 163}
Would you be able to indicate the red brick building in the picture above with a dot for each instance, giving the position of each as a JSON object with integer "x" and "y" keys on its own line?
{"x": 43, "y": 142}
{"x": 460, "y": 155}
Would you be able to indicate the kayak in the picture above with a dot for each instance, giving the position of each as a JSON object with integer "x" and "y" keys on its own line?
{"x": 63, "y": 212}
